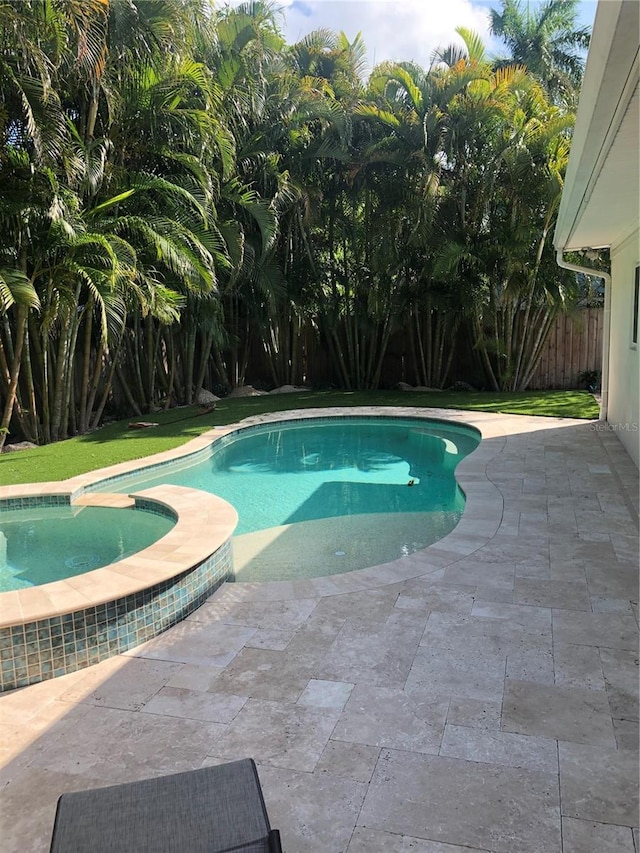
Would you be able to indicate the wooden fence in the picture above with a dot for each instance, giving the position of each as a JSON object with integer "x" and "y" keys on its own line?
{"x": 574, "y": 345}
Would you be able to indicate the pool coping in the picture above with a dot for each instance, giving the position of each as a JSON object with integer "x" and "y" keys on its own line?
{"x": 195, "y": 535}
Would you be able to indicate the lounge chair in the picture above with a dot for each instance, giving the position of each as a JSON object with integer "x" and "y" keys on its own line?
{"x": 214, "y": 809}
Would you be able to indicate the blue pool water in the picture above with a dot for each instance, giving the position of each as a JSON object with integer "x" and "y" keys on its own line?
{"x": 400, "y": 471}
{"x": 48, "y": 543}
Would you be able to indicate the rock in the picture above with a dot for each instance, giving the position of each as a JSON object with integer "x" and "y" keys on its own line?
{"x": 19, "y": 445}
{"x": 461, "y": 386}
{"x": 205, "y": 398}
{"x": 288, "y": 389}
{"x": 404, "y": 386}
{"x": 246, "y": 391}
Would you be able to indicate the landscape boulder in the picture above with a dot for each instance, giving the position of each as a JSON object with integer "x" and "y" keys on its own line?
{"x": 246, "y": 391}
{"x": 288, "y": 389}
{"x": 461, "y": 386}
{"x": 404, "y": 386}
{"x": 19, "y": 445}
{"x": 205, "y": 398}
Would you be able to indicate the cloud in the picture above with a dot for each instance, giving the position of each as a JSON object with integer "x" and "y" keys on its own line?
{"x": 301, "y": 8}
{"x": 403, "y": 30}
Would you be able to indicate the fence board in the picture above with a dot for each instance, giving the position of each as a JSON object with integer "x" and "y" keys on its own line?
{"x": 574, "y": 345}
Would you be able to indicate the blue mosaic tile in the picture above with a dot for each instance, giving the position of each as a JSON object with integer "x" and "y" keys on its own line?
{"x": 101, "y": 485}
{"x": 52, "y": 647}
{"x": 156, "y": 508}
{"x": 9, "y": 504}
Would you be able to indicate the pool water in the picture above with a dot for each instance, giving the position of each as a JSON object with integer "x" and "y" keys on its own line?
{"x": 393, "y": 478}
{"x": 50, "y": 543}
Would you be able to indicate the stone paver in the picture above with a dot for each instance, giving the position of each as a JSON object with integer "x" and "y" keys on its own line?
{"x": 503, "y": 809}
{"x": 365, "y": 840}
{"x": 382, "y": 716}
{"x": 282, "y": 734}
{"x": 480, "y": 696}
{"x": 564, "y": 713}
{"x": 194, "y": 705}
{"x": 351, "y": 760}
{"x": 509, "y": 750}
{"x": 599, "y": 784}
{"x": 582, "y": 836}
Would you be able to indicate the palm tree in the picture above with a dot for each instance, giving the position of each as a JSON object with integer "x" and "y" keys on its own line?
{"x": 15, "y": 290}
{"x": 356, "y": 300}
{"x": 415, "y": 108}
{"x": 39, "y": 41}
{"x": 124, "y": 234}
{"x": 547, "y": 42}
{"x": 506, "y": 154}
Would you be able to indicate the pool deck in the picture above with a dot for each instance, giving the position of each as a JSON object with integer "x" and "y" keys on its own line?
{"x": 478, "y": 696}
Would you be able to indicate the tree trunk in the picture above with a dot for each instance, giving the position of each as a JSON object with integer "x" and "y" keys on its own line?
{"x": 220, "y": 367}
{"x": 172, "y": 368}
{"x": 29, "y": 425}
{"x": 62, "y": 369}
{"x": 190, "y": 361}
{"x": 69, "y": 395}
{"x": 21, "y": 325}
{"x": 484, "y": 355}
{"x": 150, "y": 348}
{"x": 108, "y": 382}
{"x": 127, "y": 392}
{"x": 205, "y": 353}
{"x": 83, "y": 417}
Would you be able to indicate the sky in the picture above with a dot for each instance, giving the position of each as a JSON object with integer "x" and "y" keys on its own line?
{"x": 403, "y": 30}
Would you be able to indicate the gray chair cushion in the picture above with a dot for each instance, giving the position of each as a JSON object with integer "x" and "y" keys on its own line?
{"x": 218, "y": 808}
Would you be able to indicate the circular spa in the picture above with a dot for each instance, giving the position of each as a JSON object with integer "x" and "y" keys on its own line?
{"x": 322, "y": 496}
{"x": 63, "y": 613}
{"x": 40, "y": 544}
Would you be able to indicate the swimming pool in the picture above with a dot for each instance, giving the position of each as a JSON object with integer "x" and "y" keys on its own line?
{"x": 327, "y": 495}
{"x": 64, "y": 625}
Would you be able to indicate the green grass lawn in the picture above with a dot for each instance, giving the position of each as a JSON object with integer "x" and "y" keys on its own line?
{"x": 117, "y": 443}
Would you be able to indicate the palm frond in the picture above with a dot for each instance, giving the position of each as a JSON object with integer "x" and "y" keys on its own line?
{"x": 16, "y": 289}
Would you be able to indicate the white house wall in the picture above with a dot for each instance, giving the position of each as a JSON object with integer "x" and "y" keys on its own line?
{"x": 624, "y": 376}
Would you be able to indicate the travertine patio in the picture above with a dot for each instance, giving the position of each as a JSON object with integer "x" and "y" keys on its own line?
{"x": 481, "y": 695}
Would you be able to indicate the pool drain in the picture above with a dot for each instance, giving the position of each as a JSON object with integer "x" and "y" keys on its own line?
{"x": 83, "y": 562}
